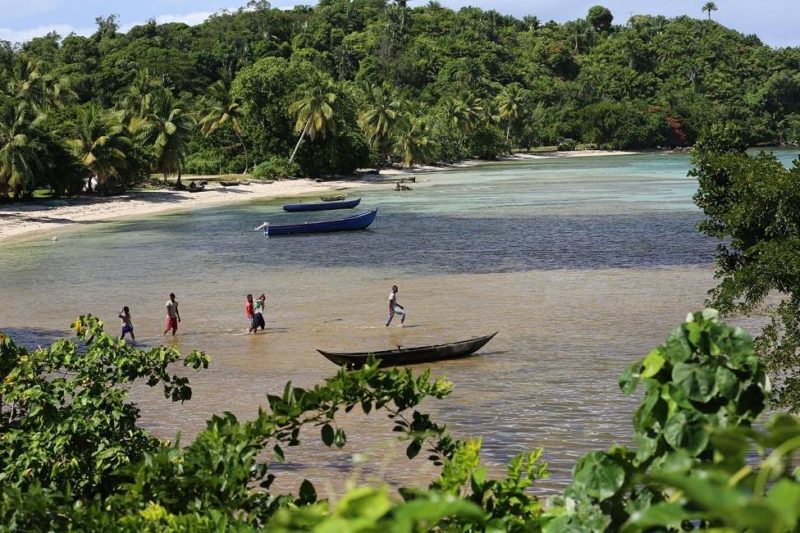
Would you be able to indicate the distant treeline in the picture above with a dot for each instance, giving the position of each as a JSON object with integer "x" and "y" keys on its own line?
{"x": 368, "y": 82}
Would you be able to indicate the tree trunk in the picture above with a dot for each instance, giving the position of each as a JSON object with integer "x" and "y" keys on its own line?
{"x": 300, "y": 140}
{"x": 244, "y": 148}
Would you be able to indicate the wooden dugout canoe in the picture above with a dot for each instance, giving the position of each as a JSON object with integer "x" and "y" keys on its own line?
{"x": 410, "y": 356}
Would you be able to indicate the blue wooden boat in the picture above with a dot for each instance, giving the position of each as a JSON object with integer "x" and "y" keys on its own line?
{"x": 322, "y": 206}
{"x": 354, "y": 222}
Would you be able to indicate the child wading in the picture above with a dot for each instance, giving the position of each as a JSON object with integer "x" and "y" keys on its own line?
{"x": 127, "y": 325}
{"x": 258, "y": 313}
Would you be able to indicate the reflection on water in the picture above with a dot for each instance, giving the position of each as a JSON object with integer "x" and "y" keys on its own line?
{"x": 582, "y": 265}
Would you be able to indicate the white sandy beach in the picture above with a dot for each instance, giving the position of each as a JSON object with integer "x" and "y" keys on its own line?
{"x": 25, "y": 220}
{"x": 520, "y": 156}
{"x": 576, "y": 153}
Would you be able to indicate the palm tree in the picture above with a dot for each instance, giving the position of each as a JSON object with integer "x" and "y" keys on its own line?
{"x": 509, "y": 105}
{"x": 463, "y": 115}
{"x": 219, "y": 108}
{"x": 484, "y": 110}
{"x": 380, "y": 118}
{"x": 132, "y": 100}
{"x": 101, "y": 143}
{"x": 313, "y": 113}
{"x": 26, "y": 81}
{"x": 166, "y": 124}
{"x": 708, "y": 7}
{"x": 413, "y": 143}
{"x": 21, "y": 152}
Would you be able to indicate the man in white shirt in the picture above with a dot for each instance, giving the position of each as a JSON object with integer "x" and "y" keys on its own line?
{"x": 173, "y": 316}
{"x": 395, "y": 308}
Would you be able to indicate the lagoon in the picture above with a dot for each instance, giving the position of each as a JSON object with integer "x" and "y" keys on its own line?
{"x": 582, "y": 264}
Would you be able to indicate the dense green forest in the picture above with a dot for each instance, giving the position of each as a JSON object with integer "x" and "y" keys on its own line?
{"x": 370, "y": 82}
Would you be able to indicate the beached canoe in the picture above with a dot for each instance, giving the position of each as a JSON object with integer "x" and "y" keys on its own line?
{"x": 229, "y": 183}
{"x": 333, "y": 198}
{"x": 410, "y": 356}
{"x": 322, "y": 206}
{"x": 354, "y": 222}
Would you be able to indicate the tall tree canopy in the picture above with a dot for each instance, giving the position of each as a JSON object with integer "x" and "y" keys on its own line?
{"x": 483, "y": 83}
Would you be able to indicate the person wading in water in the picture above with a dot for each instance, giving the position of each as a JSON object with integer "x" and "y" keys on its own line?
{"x": 173, "y": 316}
{"x": 395, "y": 308}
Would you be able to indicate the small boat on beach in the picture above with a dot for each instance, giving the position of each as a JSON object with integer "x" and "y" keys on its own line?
{"x": 354, "y": 222}
{"x": 229, "y": 183}
{"x": 322, "y": 206}
{"x": 410, "y": 356}
{"x": 333, "y": 198}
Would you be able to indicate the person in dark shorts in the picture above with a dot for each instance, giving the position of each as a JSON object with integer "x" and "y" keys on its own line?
{"x": 127, "y": 325}
{"x": 258, "y": 312}
{"x": 173, "y": 316}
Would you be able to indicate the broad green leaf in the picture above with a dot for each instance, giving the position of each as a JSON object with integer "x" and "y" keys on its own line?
{"x": 677, "y": 348}
{"x": 732, "y": 444}
{"x": 784, "y": 498}
{"x": 308, "y": 494}
{"x": 645, "y": 448}
{"x": 727, "y": 383}
{"x": 695, "y": 380}
{"x": 413, "y": 449}
{"x": 328, "y": 434}
{"x": 630, "y": 378}
{"x": 710, "y": 492}
{"x": 598, "y": 475}
{"x": 665, "y": 515}
{"x": 423, "y": 514}
{"x": 686, "y": 429}
{"x": 652, "y": 411}
{"x": 653, "y": 363}
{"x": 675, "y": 462}
{"x": 364, "y": 503}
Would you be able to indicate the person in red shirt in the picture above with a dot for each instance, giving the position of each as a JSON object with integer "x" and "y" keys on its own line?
{"x": 248, "y": 311}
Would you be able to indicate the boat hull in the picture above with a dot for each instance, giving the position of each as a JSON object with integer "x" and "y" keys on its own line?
{"x": 351, "y": 223}
{"x": 322, "y": 206}
{"x": 410, "y": 356}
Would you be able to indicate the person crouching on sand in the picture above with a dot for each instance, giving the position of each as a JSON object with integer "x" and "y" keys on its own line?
{"x": 127, "y": 325}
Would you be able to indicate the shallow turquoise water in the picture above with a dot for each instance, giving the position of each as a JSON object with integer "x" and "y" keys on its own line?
{"x": 582, "y": 264}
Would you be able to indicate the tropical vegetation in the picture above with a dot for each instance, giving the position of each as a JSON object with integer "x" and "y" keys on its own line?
{"x": 74, "y": 457}
{"x": 751, "y": 205}
{"x": 323, "y": 90}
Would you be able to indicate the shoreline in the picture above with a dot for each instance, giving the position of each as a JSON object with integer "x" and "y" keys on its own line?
{"x": 27, "y": 221}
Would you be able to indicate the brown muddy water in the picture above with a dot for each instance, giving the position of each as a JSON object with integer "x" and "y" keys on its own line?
{"x": 582, "y": 265}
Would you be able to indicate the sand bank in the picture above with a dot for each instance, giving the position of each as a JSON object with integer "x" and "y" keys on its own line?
{"x": 26, "y": 220}
{"x": 402, "y": 172}
{"x": 578, "y": 153}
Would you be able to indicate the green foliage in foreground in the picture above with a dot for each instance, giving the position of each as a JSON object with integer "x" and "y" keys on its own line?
{"x": 752, "y": 206}
{"x": 697, "y": 464}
